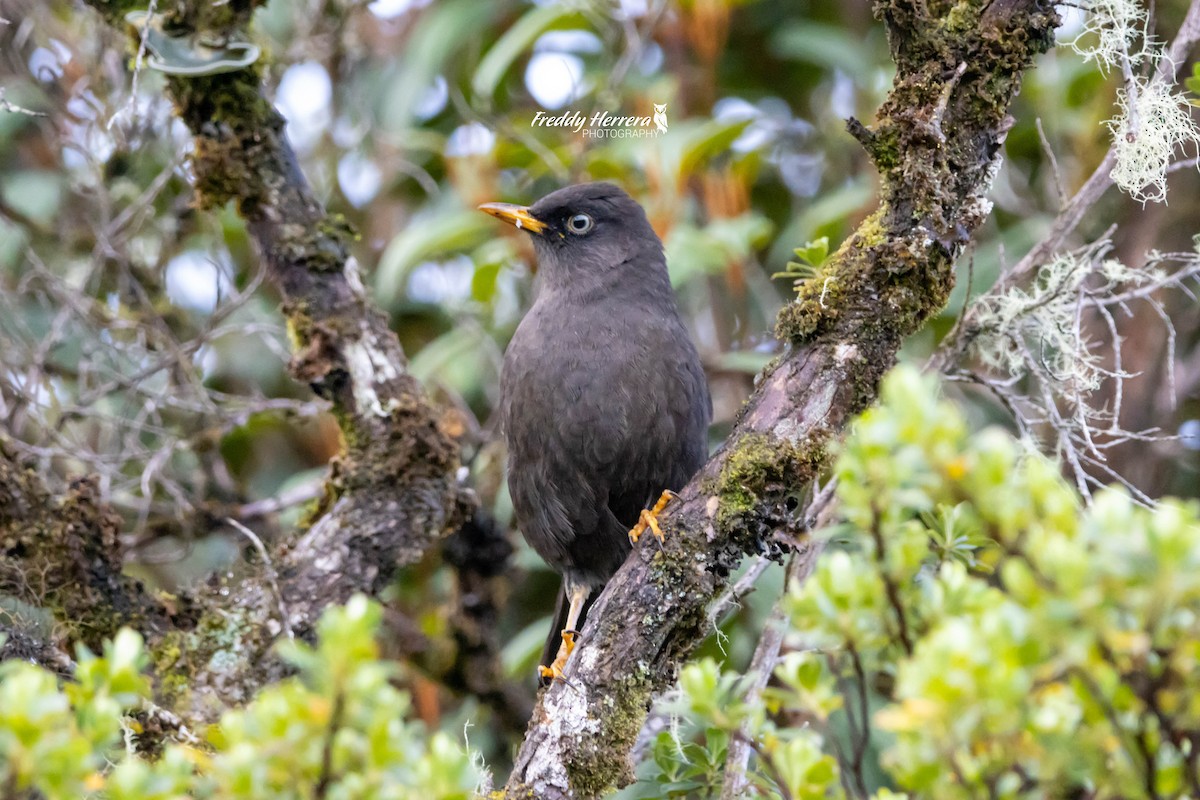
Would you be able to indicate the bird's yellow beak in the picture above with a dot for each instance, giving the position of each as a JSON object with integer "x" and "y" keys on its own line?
{"x": 514, "y": 215}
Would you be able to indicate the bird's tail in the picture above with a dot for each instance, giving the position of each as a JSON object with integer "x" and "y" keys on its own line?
{"x": 550, "y": 650}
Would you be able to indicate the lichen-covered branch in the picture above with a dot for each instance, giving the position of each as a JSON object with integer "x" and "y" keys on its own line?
{"x": 394, "y": 490}
{"x": 18, "y": 645}
{"x": 1072, "y": 213}
{"x": 392, "y": 493}
{"x": 936, "y": 144}
{"x": 63, "y": 555}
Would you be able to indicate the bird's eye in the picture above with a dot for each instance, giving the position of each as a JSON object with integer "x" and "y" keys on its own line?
{"x": 580, "y": 223}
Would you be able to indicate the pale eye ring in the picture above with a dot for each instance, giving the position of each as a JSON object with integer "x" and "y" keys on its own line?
{"x": 579, "y": 224}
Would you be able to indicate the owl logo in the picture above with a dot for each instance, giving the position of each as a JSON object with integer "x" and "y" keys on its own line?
{"x": 660, "y": 117}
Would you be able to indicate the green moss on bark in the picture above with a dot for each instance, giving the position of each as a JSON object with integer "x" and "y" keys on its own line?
{"x": 597, "y": 768}
{"x": 934, "y": 143}
{"x": 760, "y": 475}
{"x": 204, "y": 669}
{"x": 64, "y": 555}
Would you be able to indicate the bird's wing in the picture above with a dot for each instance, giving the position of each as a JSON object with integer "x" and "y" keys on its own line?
{"x": 608, "y": 435}
{"x": 665, "y": 424}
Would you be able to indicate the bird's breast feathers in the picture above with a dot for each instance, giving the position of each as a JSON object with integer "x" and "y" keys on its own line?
{"x": 598, "y": 390}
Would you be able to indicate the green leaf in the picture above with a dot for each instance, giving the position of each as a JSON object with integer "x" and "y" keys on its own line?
{"x": 829, "y": 216}
{"x": 458, "y": 359}
{"x": 717, "y": 740}
{"x": 35, "y": 193}
{"x": 520, "y": 652}
{"x": 814, "y": 252}
{"x": 483, "y": 282}
{"x": 824, "y": 45}
{"x": 708, "y": 140}
{"x": 490, "y": 258}
{"x": 812, "y": 255}
{"x": 693, "y": 251}
{"x": 440, "y": 32}
{"x": 1193, "y": 82}
{"x": 515, "y": 41}
{"x": 427, "y": 237}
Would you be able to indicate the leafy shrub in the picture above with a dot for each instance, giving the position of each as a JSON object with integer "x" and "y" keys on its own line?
{"x": 337, "y": 729}
{"x": 972, "y": 630}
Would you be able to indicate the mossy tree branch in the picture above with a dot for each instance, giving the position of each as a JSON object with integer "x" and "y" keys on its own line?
{"x": 64, "y": 555}
{"x": 393, "y": 492}
{"x": 936, "y": 144}
{"x": 18, "y": 645}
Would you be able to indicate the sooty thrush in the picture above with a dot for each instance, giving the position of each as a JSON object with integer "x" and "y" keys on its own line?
{"x": 603, "y": 400}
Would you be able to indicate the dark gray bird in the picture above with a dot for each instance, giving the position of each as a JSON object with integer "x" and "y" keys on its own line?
{"x": 603, "y": 400}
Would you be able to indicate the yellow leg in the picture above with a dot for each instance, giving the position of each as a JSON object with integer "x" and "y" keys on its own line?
{"x": 578, "y": 596}
{"x": 649, "y": 518}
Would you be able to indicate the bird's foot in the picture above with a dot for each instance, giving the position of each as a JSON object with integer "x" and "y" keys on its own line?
{"x": 554, "y": 672}
{"x": 649, "y": 519}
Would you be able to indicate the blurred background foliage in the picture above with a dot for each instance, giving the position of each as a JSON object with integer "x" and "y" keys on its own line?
{"x": 138, "y": 341}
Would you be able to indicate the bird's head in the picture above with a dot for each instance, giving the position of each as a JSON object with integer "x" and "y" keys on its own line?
{"x": 589, "y": 228}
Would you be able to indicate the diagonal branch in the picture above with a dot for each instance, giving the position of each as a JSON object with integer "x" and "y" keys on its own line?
{"x": 936, "y": 144}
{"x": 1073, "y": 213}
{"x": 393, "y": 492}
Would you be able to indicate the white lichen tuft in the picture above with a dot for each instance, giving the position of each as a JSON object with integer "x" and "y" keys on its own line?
{"x": 1008, "y": 321}
{"x": 1039, "y": 330}
{"x": 1153, "y": 124}
{"x": 369, "y": 367}
{"x": 1110, "y": 31}
{"x": 1045, "y": 351}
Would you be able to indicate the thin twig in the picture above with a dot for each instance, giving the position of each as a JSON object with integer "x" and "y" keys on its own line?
{"x": 335, "y": 721}
{"x": 288, "y": 498}
{"x": 762, "y": 665}
{"x": 6, "y": 105}
{"x": 143, "y": 35}
{"x": 1049, "y": 151}
{"x": 269, "y": 572}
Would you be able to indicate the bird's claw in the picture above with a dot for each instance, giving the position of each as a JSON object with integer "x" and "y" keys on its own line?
{"x": 649, "y": 519}
{"x": 554, "y": 672}
{"x": 550, "y": 674}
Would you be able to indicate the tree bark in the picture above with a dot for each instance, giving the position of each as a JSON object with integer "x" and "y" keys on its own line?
{"x": 394, "y": 492}
{"x": 936, "y": 144}
{"x": 390, "y": 496}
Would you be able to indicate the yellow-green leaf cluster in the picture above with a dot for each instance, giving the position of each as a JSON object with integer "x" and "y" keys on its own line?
{"x": 972, "y": 630}
{"x": 1015, "y": 642}
{"x": 336, "y": 729}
